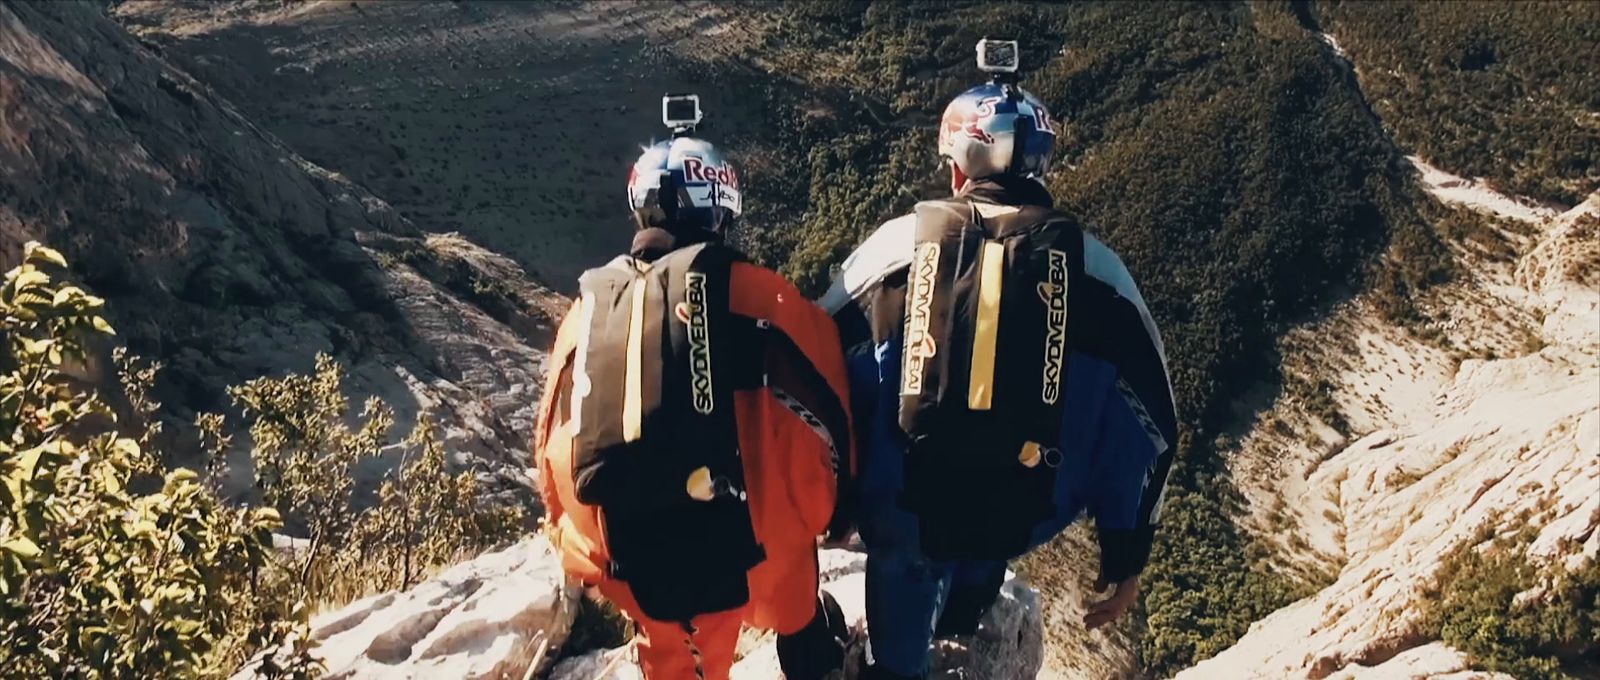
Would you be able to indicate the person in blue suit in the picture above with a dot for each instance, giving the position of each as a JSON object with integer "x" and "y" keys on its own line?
{"x": 1117, "y": 420}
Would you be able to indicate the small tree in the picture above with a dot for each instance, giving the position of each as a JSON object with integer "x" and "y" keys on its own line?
{"x": 109, "y": 567}
{"x": 113, "y": 567}
{"x": 306, "y": 453}
{"x": 425, "y": 516}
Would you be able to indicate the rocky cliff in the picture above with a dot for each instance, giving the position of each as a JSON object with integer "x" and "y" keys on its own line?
{"x": 492, "y": 616}
{"x": 1423, "y": 442}
{"x": 486, "y": 618}
{"x": 227, "y": 256}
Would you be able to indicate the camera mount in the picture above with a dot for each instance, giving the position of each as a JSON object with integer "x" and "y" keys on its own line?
{"x": 681, "y": 113}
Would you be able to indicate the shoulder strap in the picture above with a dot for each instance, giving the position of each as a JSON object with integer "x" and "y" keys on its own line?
{"x": 938, "y": 218}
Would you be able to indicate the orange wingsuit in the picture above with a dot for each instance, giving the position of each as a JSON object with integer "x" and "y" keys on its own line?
{"x": 790, "y": 472}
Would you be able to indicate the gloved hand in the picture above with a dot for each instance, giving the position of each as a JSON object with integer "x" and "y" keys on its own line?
{"x": 818, "y": 649}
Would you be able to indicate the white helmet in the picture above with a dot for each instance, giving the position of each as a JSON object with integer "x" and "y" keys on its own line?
{"x": 996, "y": 129}
{"x": 684, "y": 183}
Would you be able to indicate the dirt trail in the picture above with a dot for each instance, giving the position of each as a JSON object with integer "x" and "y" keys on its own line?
{"x": 511, "y": 122}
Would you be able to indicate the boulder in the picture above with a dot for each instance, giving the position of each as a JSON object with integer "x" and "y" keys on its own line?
{"x": 483, "y": 618}
{"x": 1009, "y": 644}
{"x": 1435, "y": 661}
{"x": 599, "y": 664}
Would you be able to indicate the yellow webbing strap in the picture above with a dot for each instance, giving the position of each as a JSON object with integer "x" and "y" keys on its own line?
{"x": 580, "y": 365}
{"x": 980, "y": 385}
{"x": 633, "y": 387}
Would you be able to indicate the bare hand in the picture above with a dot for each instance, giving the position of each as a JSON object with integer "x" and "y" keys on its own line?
{"x": 1112, "y": 608}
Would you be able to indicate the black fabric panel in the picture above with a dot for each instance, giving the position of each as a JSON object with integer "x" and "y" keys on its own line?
{"x": 700, "y": 438}
{"x": 857, "y": 337}
{"x": 968, "y": 603}
{"x": 958, "y": 452}
{"x": 855, "y": 333}
{"x": 789, "y": 371}
{"x": 1008, "y": 190}
{"x": 681, "y": 556}
{"x": 936, "y": 301}
{"x": 885, "y": 308}
{"x": 599, "y": 461}
{"x": 816, "y": 651}
{"x": 1118, "y": 336}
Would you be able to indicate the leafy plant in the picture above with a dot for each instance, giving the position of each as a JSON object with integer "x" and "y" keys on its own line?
{"x": 306, "y": 457}
{"x": 113, "y": 567}
{"x": 1511, "y": 615}
{"x": 109, "y": 567}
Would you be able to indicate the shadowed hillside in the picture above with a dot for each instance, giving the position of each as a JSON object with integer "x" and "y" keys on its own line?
{"x": 227, "y": 256}
{"x": 512, "y": 122}
{"x": 1505, "y": 91}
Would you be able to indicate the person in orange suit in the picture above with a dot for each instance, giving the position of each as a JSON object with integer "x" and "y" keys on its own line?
{"x": 694, "y": 436}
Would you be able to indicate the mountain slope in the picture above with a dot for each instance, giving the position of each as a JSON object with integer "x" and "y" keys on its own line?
{"x": 1490, "y": 430}
{"x": 1222, "y": 149}
{"x": 1431, "y": 476}
{"x": 511, "y": 122}
{"x": 227, "y": 256}
{"x": 1501, "y": 90}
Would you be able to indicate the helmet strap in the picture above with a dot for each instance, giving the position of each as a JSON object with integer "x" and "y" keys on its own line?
{"x": 667, "y": 197}
{"x": 1021, "y": 131}
{"x": 958, "y": 179}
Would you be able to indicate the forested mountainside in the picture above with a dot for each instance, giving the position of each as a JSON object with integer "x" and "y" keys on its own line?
{"x": 227, "y": 256}
{"x": 1501, "y": 90}
{"x": 513, "y": 123}
{"x": 244, "y": 164}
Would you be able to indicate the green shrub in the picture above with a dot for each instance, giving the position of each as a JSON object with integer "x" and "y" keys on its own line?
{"x": 1475, "y": 608}
{"x": 306, "y": 455}
{"x": 112, "y": 567}
{"x": 1202, "y": 589}
{"x": 1476, "y": 231}
{"x": 109, "y": 567}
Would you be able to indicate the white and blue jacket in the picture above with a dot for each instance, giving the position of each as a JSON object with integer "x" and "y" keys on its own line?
{"x": 1119, "y": 427}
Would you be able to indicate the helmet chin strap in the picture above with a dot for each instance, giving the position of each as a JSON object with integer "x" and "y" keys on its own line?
{"x": 958, "y": 179}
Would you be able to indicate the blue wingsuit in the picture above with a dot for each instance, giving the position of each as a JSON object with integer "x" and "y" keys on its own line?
{"x": 1118, "y": 435}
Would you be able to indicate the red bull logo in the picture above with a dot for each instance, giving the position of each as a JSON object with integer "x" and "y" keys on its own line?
{"x": 696, "y": 170}
{"x": 969, "y": 122}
